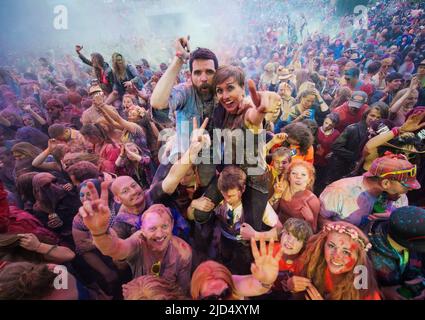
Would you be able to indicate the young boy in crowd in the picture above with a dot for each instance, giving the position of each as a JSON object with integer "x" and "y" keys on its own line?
{"x": 234, "y": 222}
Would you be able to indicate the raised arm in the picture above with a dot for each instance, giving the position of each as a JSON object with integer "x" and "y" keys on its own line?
{"x": 35, "y": 115}
{"x": 323, "y": 105}
{"x": 395, "y": 107}
{"x": 412, "y": 124}
{"x": 264, "y": 271}
{"x": 179, "y": 169}
{"x": 38, "y": 162}
{"x": 162, "y": 91}
{"x": 121, "y": 123}
{"x": 264, "y": 102}
{"x": 78, "y": 49}
{"x": 96, "y": 215}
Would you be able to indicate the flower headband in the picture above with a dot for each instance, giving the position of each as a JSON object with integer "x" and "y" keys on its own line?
{"x": 349, "y": 231}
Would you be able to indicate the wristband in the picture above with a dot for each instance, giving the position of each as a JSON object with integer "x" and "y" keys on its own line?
{"x": 396, "y": 131}
{"x": 51, "y": 249}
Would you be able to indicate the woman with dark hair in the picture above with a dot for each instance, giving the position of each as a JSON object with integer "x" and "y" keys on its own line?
{"x": 347, "y": 148}
{"x": 102, "y": 69}
{"x": 107, "y": 150}
{"x": 300, "y": 140}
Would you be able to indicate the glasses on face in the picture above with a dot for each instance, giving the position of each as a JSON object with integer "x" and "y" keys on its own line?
{"x": 410, "y": 172}
{"x": 403, "y": 183}
{"x": 156, "y": 268}
{"x": 224, "y": 295}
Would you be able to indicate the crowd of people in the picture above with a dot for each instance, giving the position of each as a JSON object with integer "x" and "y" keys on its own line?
{"x": 110, "y": 168}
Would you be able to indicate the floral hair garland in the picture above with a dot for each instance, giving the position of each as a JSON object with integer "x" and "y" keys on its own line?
{"x": 349, "y": 231}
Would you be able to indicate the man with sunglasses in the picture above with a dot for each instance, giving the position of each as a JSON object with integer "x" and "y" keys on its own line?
{"x": 371, "y": 196}
{"x": 153, "y": 250}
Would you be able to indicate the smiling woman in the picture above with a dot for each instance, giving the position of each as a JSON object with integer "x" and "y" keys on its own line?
{"x": 326, "y": 268}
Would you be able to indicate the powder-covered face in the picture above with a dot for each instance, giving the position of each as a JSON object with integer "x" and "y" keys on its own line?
{"x": 341, "y": 252}
{"x": 299, "y": 177}
{"x": 157, "y": 229}
{"x": 85, "y": 194}
{"x": 230, "y": 94}
{"x": 281, "y": 163}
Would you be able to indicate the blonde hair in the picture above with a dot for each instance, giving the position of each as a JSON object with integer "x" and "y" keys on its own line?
{"x": 151, "y": 287}
{"x": 211, "y": 270}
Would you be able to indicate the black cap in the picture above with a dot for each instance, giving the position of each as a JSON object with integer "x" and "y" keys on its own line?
{"x": 407, "y": 227}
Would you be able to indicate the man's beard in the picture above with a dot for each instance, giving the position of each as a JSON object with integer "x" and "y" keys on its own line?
{"x": 206, "y": 95}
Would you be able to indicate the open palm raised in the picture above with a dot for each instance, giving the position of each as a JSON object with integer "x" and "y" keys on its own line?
{"x": 266, "y": 266}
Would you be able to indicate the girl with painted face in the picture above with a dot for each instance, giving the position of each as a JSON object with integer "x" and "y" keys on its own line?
{"x": 293, "y": 195}
{"x": 332, "y": 265}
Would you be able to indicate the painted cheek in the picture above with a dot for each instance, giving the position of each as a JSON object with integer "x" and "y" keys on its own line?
{"x": 349, "y": 263}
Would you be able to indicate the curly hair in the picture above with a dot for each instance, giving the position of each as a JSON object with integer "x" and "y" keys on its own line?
{"x": 313, "y": 265}
{"x": 301, "y": 133}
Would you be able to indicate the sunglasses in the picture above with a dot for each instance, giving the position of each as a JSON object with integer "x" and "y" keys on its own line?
{"x": 410, "y": 172}
{"x": 224, "y": 295}
{"x": 156, "y": 268}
